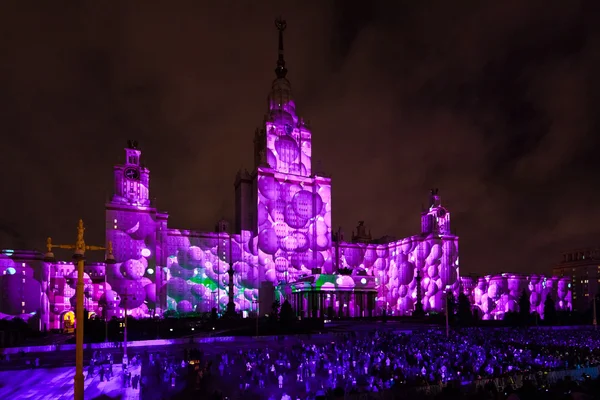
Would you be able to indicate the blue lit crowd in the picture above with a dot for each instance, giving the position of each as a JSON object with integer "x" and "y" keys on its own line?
{"x": 487, "y": 363}
{"x": 385, "y": 361}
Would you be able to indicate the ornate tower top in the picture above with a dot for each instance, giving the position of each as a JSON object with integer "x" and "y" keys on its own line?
{"x": 280, "y": 98}
{"x": 281, "y": 70}
{"x": 132, "y": 153}
{"x": 284, "y": 144}
{"x": 132, "y": 179}
{"x": 132, "y": 144}
{"x": 434, "y": 198}
{"x": 436, "y": 219}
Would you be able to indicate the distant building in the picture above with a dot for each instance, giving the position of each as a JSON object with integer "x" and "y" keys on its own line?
{"x": 582, "y": 267}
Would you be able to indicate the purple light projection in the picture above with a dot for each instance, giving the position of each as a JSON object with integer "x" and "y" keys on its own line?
{"x": 20, "y": 290}
{"x": 196, "y": 271}
{"x": 294, "y": 226}
{"x": 395, "y": 266}
{"x": 289, "y": 144}
{"x": 293, "y": 206}
{"x": 132, "y": 225}
{"x": 495, "y": 295}
{"x": 433, "y": 254}
{"x": 161, "y": 269}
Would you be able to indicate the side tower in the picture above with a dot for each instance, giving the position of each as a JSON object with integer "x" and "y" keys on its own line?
{"x": 293, "y": 206}
{"x": 436, "y": 219}
{"x": 437, "y": 254}
{"x": 132, "y": 225}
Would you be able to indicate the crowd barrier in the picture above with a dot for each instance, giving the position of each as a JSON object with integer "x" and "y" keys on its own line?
{"x": 153, "y": 343}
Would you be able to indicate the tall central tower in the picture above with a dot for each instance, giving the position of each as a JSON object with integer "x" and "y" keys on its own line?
{"x": 293, "y": 206}
{"x": 284, "y": 143}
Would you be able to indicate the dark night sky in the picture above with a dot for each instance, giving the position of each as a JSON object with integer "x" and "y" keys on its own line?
{"x": 495, "y": 103}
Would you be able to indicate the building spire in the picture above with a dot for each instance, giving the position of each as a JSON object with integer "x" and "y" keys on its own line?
{"x": 281, "y": 70}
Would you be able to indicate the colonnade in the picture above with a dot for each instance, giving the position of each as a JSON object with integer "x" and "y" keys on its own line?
{"x": 335, "y": 303}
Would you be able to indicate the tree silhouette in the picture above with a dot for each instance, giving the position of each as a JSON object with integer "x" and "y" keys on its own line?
{"x": 286, "y": 315}
{"x": 464, "y": 315}
{"x": 524, "y": 307}
{"x": 451, "y": 306}
{"x": 549, "y": 310}
{"x": 274, "y": 315}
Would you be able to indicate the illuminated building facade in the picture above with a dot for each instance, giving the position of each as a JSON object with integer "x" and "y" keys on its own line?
{"x": 494, "y": 295}
{"x": 582, "y": 268}
{"x": 283, "y": 242}
{"x": 284, "y": 235}
{"x": 283, "y": 220}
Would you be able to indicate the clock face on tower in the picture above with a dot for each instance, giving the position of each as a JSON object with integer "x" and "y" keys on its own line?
{"x": 132, "y": 173}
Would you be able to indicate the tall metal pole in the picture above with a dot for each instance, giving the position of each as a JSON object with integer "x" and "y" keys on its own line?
{"x": 105, "y": 313}
{"x": 594, "y": 321}
{"x": 125, "y": 359}
{"x": 79, "y": 255}
{"x": 256, "y": 302}
{"x": 218, "y": 272}
{"x": 447, "y": 314}
{"x": 79, "y": 330}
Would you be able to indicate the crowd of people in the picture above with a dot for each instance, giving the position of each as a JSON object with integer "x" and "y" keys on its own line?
{"x": 489, "y": 362}
{"x": 387, "y": 361}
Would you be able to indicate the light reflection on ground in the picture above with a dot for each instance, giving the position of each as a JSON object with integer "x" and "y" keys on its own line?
{"x": 57, "y": 384}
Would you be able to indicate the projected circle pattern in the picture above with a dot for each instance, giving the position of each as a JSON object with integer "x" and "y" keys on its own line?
{"x": 295, "y": 233}
{"x": 495, "y": 295}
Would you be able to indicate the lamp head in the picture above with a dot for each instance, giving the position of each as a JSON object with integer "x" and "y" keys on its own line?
{"x": 110, "y": 258}
{"x": 49, "y": 257}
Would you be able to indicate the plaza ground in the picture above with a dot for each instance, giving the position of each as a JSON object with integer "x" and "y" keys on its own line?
{"x": 54, "y": 378}
{"x": 57, "y": 384}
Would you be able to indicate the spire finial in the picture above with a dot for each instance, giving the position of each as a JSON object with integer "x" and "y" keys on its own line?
{"x": 281, "y": 70}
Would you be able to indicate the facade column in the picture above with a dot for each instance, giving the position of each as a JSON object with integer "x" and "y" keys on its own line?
{"x": 322, "y": 305}
{"x": 347, "y": 305}
{"x": 295, "y": 305}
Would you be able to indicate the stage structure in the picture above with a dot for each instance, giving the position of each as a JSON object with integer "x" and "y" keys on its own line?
{"x": 283, "y": 236}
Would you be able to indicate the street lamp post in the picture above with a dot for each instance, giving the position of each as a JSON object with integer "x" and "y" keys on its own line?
{"x": 104, "y": 308}
{"x": 447, "y": 291}
{"x": 594, "y": 321}
{"x": 214, "y": 300}
{"x": 79, "y": 255}
{"x": 157, "y": 327}
{"x": 230, "y": 311}
{"x": 125, "y": 358}
{"x": 257, "y": 303}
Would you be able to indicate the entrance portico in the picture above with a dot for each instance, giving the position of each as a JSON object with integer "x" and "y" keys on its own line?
{"x": 330, "y": 296}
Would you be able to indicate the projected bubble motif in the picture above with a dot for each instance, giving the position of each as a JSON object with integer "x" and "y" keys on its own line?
{"x": 295, "y": 236}
{"x": 495, "y": 295}
{"x": 395, "y": 265}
